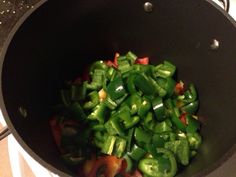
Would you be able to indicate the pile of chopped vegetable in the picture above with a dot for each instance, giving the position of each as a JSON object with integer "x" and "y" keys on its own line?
{"x": 128, "y": 118}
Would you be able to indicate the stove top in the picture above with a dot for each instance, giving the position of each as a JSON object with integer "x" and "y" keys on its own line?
{"x": 10, "y": 11}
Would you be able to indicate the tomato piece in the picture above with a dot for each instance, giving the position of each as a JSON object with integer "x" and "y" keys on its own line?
{"x": 142, "y": 61}
{"x": 56, "y": 130}
{"x": 179, "y": 88}
{"x": 88, "y": 166}
{"x": 107, "y": 166}
{"x": 111, "y": 64}
{"x": 116, "y": 58}
{"x": 123, "y": 172}
{"x": 136, "y": 173}
{"x": 183, "y": 118}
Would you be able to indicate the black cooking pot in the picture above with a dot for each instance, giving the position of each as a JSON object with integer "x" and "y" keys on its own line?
{"x": 62, "y": 37}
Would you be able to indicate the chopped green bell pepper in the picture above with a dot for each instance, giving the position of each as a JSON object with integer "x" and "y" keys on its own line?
{"x": 165, "y": 70}
{"x": 120, "y": 147}
{"x": 136, "y": 152}
{"x": 181, "y": 149}
{"x": 194, "y": 140}
{"x": 193, "y": 124}
{"x": 108, "y": 145}
{"x": 142, "y": 136}
{"x": 152, "y": 167}
{"x": 190, "y": 108}
{"x": 162, "y": 127}
{"x": 116, "y": 89}
{"x": 134, "y": 102}
{"x": 142, "y": 82}
{"x": 144, "y": 107}
{"x": 99, "y": 113}
{"x": 93, "y": 100}
{"x": 158, "y": 108}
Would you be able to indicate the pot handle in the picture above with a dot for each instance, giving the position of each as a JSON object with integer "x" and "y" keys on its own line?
{"x": 4, "y": 133}
{"x": 225, "y": 3}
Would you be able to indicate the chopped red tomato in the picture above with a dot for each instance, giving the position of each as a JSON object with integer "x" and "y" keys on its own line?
{"x": 142, "y": 61}
{"x": 179, "y": 88}
{"x": 116, "y": 58}
{"x": 107, "y": 166}
{"x": 136, "y": 173}
{"x": 56, "y": 131}
{"x": 123, "y": 172}
{"x": 183, "y": 118}
{"x": 88, "y": 166}
{"x": 111, "y": 64}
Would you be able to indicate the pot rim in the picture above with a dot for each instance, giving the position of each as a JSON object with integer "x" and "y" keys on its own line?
{"x": 36, "y": 157}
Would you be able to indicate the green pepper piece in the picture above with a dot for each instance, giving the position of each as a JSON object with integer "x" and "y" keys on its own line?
{"x": 152, "y": 167}
{"x": 194, "y": 140}
{"x": 98, "y": 127}
{"x": 193, "y": 124}
{"x": 131, "y": 57}
{"x": 108, "y": 145}
{"x": 177, "y": 122}
{"x": 170, "y": 86}
{"x": 99, "y": 113}
{"x": 132, "y": 122}
{"x": 181, "y": 149}
{"x": 129, "y": 139}
{"x": 158, "y": 140}
{"x": 77, "y": 111}
{"x": 100, "y": 136}
{"x": 116, "y": 89}
{"x": 97, "y": 65}
{"x": 157, "y": 87}
{"x": 72, "y": 160}
{"x": 142, "y": 136}
{"x": 190, "y": 108}
{"x": 120, "y": 100}
{"x": 110, "y": 103}
{"x": 129, "y": 163}
{"x": 148, "y": 122}
{"x": 130, "y": 83}
{"x": 78, "y": 91}
{"x": 134, "y": 102}
{"x": 111, "y": 73}
{"x": 167, "y": 69}
{"x": 120, "y": 146}
{"x": 123, "y": 66}
{"x": 65, "y": 97}
{"x": 158, "y": 107}
{"x": 183, "y": 152}
{"x": 136, "y": 152}
{"x": 191, "y": 94}
{"x": 151, "y": 148}
{"x": 162, "y": 127}
{"x": 127, "y": 120}
{"x": 93, "y": 100}
{"x": 98, "y": 79}
{"x": 142, "y": 82}
{"x": 169, "y": 104}
{"x": 114, "y": 127}
{"x": 144, "y": 107}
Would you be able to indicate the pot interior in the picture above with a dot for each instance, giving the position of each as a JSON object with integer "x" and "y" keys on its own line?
{"x": 60, "y": 38}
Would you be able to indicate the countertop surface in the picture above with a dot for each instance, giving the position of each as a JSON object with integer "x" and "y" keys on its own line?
{"x": 10, "y": 11}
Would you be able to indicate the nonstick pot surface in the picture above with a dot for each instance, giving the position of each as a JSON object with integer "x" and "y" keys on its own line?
{"x": 60, "y": 38}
